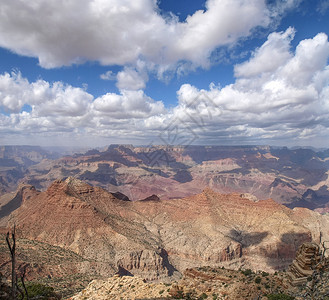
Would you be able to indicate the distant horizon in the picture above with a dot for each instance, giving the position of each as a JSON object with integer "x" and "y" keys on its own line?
{"x": 161, "y": 145}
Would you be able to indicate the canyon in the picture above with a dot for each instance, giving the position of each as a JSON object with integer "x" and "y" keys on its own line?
{"x": 155, "y": 238}
{"x": 294, "y": 177}
{"x": 154, "y": 212}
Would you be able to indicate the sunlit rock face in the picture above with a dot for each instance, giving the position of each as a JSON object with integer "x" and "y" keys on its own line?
{"x": 156, "y": 238}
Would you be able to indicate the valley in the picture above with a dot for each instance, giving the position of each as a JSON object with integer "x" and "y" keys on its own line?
{"x": 154, "y": 213}
{"x": 294, "y": 177}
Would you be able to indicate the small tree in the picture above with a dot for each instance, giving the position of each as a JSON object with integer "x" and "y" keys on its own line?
{"x": 12, "y": 249}
{"x": 22, "y": 269}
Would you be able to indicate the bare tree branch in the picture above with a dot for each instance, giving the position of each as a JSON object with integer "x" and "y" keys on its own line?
{"x": 12, "y": 249}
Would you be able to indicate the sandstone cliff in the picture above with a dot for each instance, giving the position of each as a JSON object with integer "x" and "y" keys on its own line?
{"x": 157, "y": 238}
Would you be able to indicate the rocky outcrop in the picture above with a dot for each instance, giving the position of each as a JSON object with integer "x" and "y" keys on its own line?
{"x": 196, "y": 283}
{"x": 159, "y": 238}
{"x": 305, "y": 263}
{"x": 126, "y": 288}
{"x": 147, "y": 264}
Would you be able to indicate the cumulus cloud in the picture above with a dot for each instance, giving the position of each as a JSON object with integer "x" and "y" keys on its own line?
{"x": 270, "y": 56}
{"x": 120, "y": 32}
{"x": 13, "y": 92}
{"x": 131, "y": 79}
{"x": 278, "y": 95}
{"x": 45, "y": 99}
{"x": 281, "y": 97}
{"x": 311, "y": 57}
{"x": 223, "y": 23}
{"x": 62, "y": 109}
{"x": 129, "y": 104}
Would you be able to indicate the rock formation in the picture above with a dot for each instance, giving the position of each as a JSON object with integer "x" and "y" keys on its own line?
{"x": 196, "y": 283}
{"x": 125, "y": 287}
{"x": 304, "y": 265}
{"x": 159, "y": 238}
{"x": 310, "y": 262}
{"x": 297, "y": 178}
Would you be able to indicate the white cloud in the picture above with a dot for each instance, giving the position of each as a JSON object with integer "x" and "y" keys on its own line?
{"x": 109, "y": 75}
{"x": 269, "y": 57}
{"x": 311, "y": 57}
{"x": 130, "y": 104}
{"x": 58, "y": 109}
{"x": 284, "y": 101}
{"x": 14, "y": 91}
{"x": 130, "y": 79}
{"x": 223, "y": 23}
{"x": 119, "y": 32}
{"x": 45, "y": 99}
{"x": 278, "y": 95}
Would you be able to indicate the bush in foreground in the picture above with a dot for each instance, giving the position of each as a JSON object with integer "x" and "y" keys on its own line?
{"x": 40, "y": 291}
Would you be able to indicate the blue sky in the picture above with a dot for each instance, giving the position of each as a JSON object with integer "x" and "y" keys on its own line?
{"x": 223, "y": 72}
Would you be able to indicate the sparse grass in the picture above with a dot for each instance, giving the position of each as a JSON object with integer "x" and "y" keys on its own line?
{"x": 280, "y": 297}
{"x": 61, "y": 261}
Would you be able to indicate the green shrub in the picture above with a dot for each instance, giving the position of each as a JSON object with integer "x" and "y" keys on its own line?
{"x": 40, "y": 291}
{"x": 258, "y": 280}
{"x": 246, "y": 272}
{"x": 203, "y": 296}
{"x": 264, "y": 274}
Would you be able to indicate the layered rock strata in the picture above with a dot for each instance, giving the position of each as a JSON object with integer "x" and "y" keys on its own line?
{"x": 307, "y": 258}
{"x": 159, "y": 238}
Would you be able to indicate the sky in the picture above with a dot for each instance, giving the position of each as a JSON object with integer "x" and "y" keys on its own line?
{"x": 145, "y": 72}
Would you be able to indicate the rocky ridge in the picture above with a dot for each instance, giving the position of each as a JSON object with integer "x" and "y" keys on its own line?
{"x": 196, "y": 283}
{"x": 156, "y": 239}
{"x": 219, "y": 283}
{"x": 295, "y": 177}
